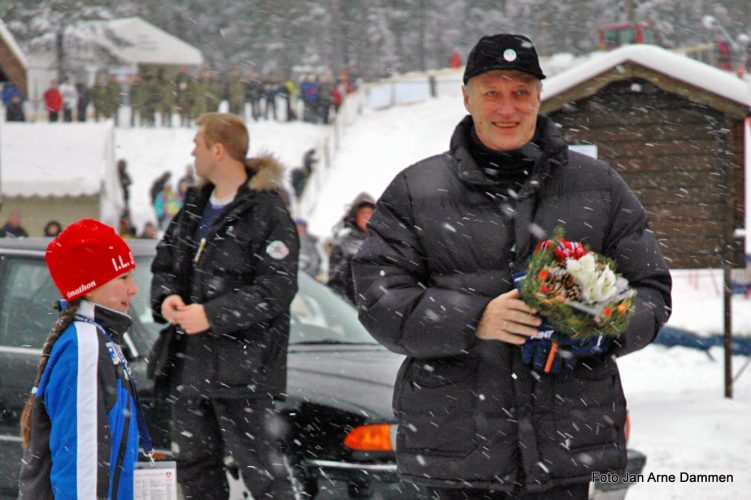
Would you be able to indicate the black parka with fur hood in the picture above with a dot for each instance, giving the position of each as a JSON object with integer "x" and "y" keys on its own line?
{"x": 245, "y": 275}
{"x": 442, "y": 242}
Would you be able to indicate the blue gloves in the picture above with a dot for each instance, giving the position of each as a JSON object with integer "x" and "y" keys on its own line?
{"x": 549, "y": 350}
{"x": 549, "y": 353}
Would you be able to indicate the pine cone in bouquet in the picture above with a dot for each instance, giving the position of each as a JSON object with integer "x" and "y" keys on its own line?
{"x": 576, "y": 290}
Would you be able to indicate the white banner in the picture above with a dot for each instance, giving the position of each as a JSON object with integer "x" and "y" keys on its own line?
{"x": 747, "y": 176}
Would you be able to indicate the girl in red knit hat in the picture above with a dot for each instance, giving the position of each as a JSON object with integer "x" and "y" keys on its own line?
{"x": 82, "y": 422}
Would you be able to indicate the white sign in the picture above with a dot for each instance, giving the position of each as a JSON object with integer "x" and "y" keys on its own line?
{"x": 585, "y": 149}
{"x": 157, "y": 481}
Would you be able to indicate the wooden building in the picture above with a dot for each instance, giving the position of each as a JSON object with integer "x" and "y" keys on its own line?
{"x": 13, "y": 62}
{"x": 673, "y": 128}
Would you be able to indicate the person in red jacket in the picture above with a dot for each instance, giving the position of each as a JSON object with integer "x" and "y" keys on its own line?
{"x": 455, "y": 60}
{"x": 53, "y": 100}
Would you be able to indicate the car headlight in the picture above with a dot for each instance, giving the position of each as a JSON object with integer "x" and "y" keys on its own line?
{"x": 627, "y": 428}
{"x": 372, "y": 437}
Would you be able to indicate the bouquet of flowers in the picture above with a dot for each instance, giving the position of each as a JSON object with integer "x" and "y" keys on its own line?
{"x": 577, "y": 290}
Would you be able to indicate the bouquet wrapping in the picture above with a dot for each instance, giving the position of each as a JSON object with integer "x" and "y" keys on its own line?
{"x": 577, "y": 291}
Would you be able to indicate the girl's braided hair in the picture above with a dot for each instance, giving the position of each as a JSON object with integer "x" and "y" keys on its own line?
{"x": 65, "y": 319}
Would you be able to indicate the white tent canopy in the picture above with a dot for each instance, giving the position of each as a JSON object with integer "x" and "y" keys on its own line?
{"x": 92, "y": 46}
{"x": 56, "y": 160}
{"x": 135, "y": 41}
{"x": 129, "y": 41}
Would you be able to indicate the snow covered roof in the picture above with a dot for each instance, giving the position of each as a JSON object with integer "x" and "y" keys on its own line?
{"x": 659, "y": 60}
{"x": 10, "y": 41}
{"x": 135, "y": 41}
{"x": 56, "y": 159}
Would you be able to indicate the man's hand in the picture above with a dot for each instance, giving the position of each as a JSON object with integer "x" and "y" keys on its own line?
{"x": 170, "y": 306}
{"x": 508, "y": 319}
{"x": 192, "y": 319}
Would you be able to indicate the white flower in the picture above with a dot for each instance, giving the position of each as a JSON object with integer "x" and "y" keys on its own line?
{"x": 596, "y": 285}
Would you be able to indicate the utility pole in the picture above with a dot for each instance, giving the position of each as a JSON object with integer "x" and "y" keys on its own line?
{"x": 60, "y": 53}
{"x": 629, "y": 8}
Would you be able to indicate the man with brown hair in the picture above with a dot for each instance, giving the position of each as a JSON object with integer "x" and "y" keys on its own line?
{"x": 225, "y": 274}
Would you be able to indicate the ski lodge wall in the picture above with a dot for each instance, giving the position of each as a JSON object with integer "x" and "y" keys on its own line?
{"x": 680, "y": 148}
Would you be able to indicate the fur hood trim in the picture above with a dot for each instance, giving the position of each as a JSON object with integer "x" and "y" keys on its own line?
{"x": 268, "y": 173}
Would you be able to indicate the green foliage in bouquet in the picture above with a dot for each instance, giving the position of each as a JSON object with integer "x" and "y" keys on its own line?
{"x": 577, "y": 291}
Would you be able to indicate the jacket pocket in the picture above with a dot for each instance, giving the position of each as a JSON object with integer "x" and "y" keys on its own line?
{"x": 238, "y": 364}
{"x": 589, "y": 406}
{"x": 435, "y": 406}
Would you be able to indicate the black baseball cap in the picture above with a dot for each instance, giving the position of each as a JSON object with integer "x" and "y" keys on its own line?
{"x": 503, "y": 51}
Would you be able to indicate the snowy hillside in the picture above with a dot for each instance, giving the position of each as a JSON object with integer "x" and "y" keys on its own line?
{"x": 377, "y": 147}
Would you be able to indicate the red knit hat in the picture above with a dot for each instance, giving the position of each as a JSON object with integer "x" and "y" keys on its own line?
{"x": 85, "y": 256}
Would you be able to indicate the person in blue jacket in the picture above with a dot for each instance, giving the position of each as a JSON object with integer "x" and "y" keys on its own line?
{"x": 80, "y": 426}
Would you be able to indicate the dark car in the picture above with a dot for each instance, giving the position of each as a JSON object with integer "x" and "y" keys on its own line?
{"x": 338, "y": 410}
{"x": 338, "y": 421}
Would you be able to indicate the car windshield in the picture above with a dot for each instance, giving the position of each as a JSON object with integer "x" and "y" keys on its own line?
{"x": 321, "y": 316}
{"x": 140, "y": 307}
{"x": 318, "y": 315}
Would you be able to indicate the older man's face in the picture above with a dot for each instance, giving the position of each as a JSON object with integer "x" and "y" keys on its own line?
{"x": 504, "y": 106}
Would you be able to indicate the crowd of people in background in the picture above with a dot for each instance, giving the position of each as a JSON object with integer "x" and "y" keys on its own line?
{"x": 329, "y": 259}
{"x": 326, "y": 258}
{"x": 160, "y": 97}
{"x": 13, "y": 101}
{"x": 165, "y": 199}
{"x": 13, "y": 228}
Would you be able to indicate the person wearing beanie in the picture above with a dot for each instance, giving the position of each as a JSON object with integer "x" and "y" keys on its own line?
{"x": 433, "y": 281}
{"x": 348, "y": 237}
{"x": 224, "y": 276}
{"x": 80, "y": 428}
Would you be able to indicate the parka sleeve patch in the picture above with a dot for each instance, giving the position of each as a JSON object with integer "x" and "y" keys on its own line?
{"x": 277, "y": 250}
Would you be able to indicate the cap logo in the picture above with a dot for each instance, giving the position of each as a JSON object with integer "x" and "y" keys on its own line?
{"x": 509, "y": 55}
{"x": 121, "y": 264}
{"x": 81, "y": 289}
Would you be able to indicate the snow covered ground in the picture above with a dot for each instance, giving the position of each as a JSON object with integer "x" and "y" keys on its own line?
{"x": 682, "y": 422}
{"x": 679, "y": 417}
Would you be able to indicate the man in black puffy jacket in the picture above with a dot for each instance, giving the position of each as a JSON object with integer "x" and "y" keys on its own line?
{"x": 434, "y": 282}
{"x": 225, "y": 275}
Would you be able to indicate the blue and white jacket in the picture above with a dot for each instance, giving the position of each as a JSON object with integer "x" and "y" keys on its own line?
{"x": 84, "y": 430}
